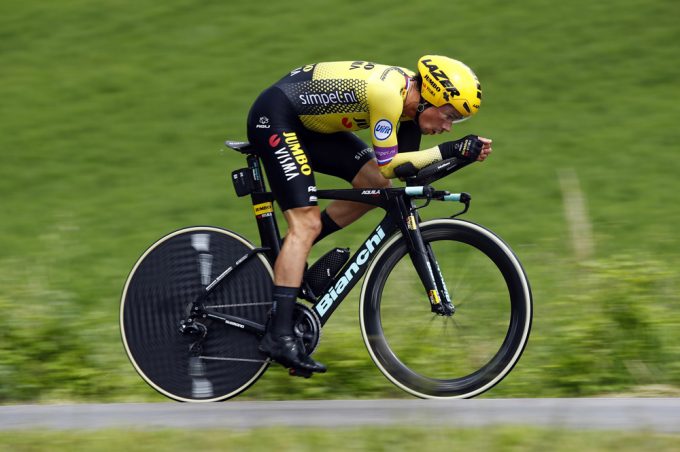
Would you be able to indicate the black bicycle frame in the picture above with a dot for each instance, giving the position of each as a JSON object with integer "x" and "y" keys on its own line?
{"x": 400, "y": 215}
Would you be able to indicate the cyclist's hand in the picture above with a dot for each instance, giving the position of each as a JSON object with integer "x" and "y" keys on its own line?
{"x": 470, "y": 148}
{"x": 486, "y": 149}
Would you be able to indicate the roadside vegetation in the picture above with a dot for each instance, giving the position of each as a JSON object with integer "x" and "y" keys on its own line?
{"x": 112, "y": 115}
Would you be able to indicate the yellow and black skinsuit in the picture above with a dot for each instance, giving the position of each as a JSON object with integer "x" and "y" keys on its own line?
{"x": 305, "y": 121}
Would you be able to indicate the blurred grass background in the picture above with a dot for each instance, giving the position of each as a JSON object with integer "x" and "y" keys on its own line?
{"x": 393, "y": 438}
{"x": 112, "y": 115}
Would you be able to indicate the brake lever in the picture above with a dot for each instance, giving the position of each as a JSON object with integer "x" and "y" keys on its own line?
{"x": 465, "y": 198}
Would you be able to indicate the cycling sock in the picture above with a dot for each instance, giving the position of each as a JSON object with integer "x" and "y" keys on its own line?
{"x": 328, "y": 226}
{"x": 282, "y": 311}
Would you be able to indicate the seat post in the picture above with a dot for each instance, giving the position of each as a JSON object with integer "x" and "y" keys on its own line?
{"x": 263, "y": 205}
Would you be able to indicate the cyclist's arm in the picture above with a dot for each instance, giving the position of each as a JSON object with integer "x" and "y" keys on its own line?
{"x": 470, "y": 148}
{"x": 385, "y": 106}
{"x": 409, "y": 136}
{"x": 408, "y": 139}
{"x": 419, "y": 159}
{"x": 385, "y": 110}
{"x": 397, "y": 152}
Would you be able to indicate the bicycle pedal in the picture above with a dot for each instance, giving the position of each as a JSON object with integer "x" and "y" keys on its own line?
{"x": 293, "y": 372}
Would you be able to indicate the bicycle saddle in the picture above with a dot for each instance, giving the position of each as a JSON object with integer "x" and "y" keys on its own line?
{"x": 241, "y": 146}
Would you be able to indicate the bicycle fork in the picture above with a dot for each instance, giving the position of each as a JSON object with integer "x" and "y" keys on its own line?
{"x": 425, "y": 262}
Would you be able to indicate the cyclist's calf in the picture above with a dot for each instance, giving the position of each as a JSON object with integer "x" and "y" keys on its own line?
{"x": 304, "y": 225}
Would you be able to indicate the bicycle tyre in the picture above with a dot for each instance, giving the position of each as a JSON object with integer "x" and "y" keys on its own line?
{"x": 157, "y": 295}
{"x": 420, "y": 357}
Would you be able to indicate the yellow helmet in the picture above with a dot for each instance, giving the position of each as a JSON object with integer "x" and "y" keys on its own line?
{"x": 448, "y": 81}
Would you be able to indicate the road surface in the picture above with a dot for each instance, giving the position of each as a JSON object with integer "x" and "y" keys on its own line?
{"x": 661, "y": 415}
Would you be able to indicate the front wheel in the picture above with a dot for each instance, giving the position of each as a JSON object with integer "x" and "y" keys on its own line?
{"x": 458, "y": 356}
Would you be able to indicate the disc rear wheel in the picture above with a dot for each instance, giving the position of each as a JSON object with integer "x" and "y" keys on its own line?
{"x": 158, "y": 295}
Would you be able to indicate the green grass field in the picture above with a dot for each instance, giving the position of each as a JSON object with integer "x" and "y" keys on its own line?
{"x": 112, "y": 118}
{"x": 364, "y": 439}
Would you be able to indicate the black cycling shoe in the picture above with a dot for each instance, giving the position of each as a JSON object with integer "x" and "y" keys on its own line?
{"x": 289, "y": 352}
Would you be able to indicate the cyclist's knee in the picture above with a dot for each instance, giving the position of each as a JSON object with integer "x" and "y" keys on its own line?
{"x": 304, "y": 222}
{"x": 370, "y": 177}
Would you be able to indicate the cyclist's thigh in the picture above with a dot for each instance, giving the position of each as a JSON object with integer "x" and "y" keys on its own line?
{"x": 340, "y": 154}
{"x": 274, "y": 129}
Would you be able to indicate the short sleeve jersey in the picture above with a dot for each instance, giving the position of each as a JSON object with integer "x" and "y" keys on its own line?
{"x": 351, "y": 95}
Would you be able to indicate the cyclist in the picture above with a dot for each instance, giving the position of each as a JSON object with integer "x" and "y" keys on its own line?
{"x": 304, "y": 123}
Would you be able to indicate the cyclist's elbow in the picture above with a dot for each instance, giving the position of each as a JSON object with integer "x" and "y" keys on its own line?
{"x": 387, "y": 171}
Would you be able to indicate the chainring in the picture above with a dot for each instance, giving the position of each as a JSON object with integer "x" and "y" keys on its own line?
{"x": 307, "y": 326}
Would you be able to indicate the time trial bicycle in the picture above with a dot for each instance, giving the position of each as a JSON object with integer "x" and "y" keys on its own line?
{"x": 445, "y": 307}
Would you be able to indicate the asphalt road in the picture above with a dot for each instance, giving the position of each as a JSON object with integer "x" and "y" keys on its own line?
{"x": 661, "y": 415}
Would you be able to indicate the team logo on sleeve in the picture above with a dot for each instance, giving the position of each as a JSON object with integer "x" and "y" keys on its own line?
{"x": 382, "y": 129}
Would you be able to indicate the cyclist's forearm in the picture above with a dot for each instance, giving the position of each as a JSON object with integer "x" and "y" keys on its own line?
{"x": 419, "y": 159}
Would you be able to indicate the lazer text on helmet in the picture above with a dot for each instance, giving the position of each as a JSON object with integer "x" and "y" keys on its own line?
{"x": 441, "y": 77}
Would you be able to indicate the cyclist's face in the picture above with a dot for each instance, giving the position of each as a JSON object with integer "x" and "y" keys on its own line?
{"x": 435, "y": 120}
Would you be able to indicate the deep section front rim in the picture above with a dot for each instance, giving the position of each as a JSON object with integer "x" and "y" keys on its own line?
{"x": 483, "y": 342}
